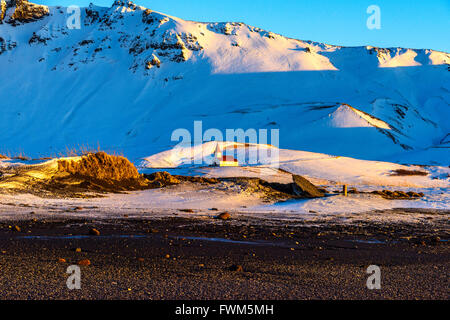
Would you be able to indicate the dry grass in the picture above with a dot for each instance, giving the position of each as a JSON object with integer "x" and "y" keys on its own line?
{"x": 100, "y": 165}
{"x": 79, "y": 150}
{"x": 404, "y": 172}
{"x": 15, "y": 156}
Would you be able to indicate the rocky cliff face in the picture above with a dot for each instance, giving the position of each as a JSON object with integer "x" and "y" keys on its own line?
{"x": 21, "y": 11}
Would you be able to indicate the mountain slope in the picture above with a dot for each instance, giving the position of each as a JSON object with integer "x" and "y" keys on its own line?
{"x": 130, "y": 76}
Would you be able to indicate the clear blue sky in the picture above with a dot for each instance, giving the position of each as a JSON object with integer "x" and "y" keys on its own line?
{"x": 404, "y": 23}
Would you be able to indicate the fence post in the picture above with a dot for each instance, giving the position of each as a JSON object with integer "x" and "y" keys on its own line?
{"x": 345, "y": 190}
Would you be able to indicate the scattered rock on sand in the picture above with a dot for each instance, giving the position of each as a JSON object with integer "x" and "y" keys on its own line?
{"x": 94, "y": 232}
{"x": 302, "y": 187}
{"x": 392, "y": 195}
{"x": 224, "y": 216}
{"x": 84, "y": 262}
{"x": 236, "y": 268}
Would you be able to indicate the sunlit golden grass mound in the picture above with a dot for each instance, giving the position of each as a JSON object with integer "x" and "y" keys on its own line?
{"x": 101, "y": 166}
{"x": 76, "y": 176}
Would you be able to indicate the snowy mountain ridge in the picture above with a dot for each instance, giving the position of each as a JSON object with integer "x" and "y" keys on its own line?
{"x": 130, "y": 76}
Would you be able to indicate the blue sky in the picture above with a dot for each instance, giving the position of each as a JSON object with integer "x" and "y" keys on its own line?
{"x": 404, "y": 23}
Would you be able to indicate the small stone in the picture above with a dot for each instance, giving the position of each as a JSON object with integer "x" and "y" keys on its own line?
{"x": 435, "y": 239}
{"x": 94, "y": 232}
{"x": 236, "y": 268}
{"x": 224, "y": 216}
{"x": 84, "y": 262}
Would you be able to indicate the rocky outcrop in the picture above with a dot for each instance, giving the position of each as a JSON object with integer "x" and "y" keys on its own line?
{"x": 22, "y": 11}
{"x": 304, "y": 188}
{"x": 162, "y": 179}
{"x": 6, "y": 45}
{"x": 154, "y": 62}
{"x": 2, "y": 10}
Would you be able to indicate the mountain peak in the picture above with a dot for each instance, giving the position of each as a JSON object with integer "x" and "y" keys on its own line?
{"x": 129, "y": 5}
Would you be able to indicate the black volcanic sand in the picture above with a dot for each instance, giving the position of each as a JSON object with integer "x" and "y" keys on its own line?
{"x": 128, "y": 259}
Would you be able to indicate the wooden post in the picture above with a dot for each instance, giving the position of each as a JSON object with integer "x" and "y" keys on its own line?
{"x": 345, "y": 190}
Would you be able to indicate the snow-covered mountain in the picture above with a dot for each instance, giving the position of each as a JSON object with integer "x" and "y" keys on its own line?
{"x": 130, "y": 76}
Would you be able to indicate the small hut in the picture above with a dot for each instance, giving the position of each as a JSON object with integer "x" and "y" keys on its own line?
{"x": 221, "y": 160}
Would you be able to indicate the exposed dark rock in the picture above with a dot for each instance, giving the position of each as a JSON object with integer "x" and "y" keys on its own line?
{"x": 304, "y": 188}
{"x": 398, "y": 195}
{"x": 187, "y": 210}
{"x": 94, "y": 232}
{"x": 404, "y": 172}
{"x": 161, "y": 179}
{"x": 224, "y": 216}
{"x": 38, "y": 39}
{"x": 86, "y": 42}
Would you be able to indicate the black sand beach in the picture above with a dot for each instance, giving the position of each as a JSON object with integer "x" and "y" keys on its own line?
{"x": 182, "y": 258}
